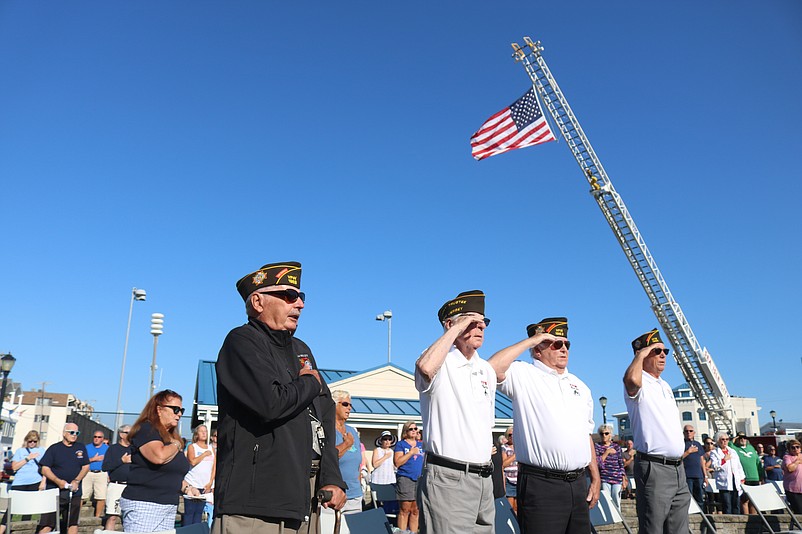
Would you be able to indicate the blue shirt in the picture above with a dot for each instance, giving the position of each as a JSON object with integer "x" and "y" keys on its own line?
{"x": 773, "y": 474}
{"x": 66, "y": 462}
{"x": 91, "y": 450}
{"x": 29, "y": 473}
{"x": 693, "y": 462}
{"x": 350, "y": 463}
{"x": 412, "y": 469}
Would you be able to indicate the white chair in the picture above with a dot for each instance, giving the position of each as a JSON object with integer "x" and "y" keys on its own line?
{"x": 605, "y": 513}
{"x": 765, "y": 499}
{"x": 369, "y": 522}
{"x": 695, "y": 509}
{"x": 33, "y": 502}
{"x": 505, "y": 519}
{"x": 4, "y": 497}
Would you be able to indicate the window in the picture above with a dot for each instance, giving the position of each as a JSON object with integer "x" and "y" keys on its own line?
{"x": 702, "y": 416}
{"x": 43, "y": 418}
{"x": 687, "y": 416}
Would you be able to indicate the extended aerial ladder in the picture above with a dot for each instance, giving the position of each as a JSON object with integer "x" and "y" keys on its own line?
{"x": 694, "y": 361}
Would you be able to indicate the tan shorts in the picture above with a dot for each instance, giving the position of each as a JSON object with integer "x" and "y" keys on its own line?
{"x": 94, "y": 486}
{"x": 113, "y": 494}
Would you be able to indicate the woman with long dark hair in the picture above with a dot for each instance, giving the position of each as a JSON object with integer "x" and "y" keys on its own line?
{"x": 158, "y": 467}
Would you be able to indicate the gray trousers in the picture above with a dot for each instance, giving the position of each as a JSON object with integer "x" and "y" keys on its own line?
{"x": 454, "y": 502}
{"x": 662, "y": 497}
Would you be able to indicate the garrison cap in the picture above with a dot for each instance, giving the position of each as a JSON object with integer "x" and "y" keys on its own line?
{"x": 556, "y": 326}
{"x": 649, "y": 338}
{"x": 286, "y": 273}
{"x": 466, "y": 302}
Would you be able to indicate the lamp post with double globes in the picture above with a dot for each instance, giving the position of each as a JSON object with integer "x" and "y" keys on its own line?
{"x": 6, "y": 364}
{"x": 603, "y": 402}
{"x": 387, "y": 316}
{"x": 139, "y": 295}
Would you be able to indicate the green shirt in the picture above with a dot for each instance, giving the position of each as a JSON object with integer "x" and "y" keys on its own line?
{"x": 750, "y": 460}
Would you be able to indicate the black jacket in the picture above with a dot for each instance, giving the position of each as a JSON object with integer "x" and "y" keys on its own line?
{"x": 264, "y": 435}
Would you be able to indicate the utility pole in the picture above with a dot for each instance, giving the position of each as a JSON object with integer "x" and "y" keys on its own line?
{"x": 42, "y": 408}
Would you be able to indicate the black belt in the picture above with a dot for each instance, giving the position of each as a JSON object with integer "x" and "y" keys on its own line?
{"x": 98, "y": 471}
{"x": 659, "y": 459}
{"x": 484, "y": 470}
{"x": 568, "y": 476}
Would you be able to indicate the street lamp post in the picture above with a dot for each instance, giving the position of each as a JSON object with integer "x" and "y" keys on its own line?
{"x": 6, "y": 364}
{"x": 603, "y": 402}
{"x": 387, "y": 316}
{"x": 157, "y": 329}
{"x": 773, "y": 415}
{"x": 136, "y": 294}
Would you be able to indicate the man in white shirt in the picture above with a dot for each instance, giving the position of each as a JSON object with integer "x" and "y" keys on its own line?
{"x": 661, "y": 490}
{"x": 457, "y": 393}
{"x": 553, "y": 421}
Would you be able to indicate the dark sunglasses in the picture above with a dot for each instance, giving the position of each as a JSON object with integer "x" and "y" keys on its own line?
{"x": 97, "y": 437}
{"x": 33, "y": 441}
{"x": 605, "y": 433}
{"x": 287, "y": 295}
{"x": 689, "y": 431}
{"x": 557, "y": 345}
{"x": 176, "y": 409}
{"x": 509, "y": 435}
{"x": 658, "y": 352}
{"x": 412, "y": 428}
{"x": 73, "y": 432}
{"x": 346, "y": 404}
{"x": 795, "y": 447}
{"x": 387, "y": 438}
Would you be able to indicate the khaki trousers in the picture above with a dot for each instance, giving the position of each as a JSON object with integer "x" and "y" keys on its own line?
{"x": 238, "y": 524}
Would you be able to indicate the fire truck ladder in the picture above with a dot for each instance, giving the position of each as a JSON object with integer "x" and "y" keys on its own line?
{"x": 695, "y": 362}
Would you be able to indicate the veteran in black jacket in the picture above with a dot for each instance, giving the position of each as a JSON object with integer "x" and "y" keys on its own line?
{"x": 270, "y": 397}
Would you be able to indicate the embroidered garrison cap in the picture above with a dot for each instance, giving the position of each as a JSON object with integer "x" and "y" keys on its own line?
{"x": 286, "y": 273}
{"x": 649, "y": 338}
{"x": 556, "y": 326}
{"x": 466, "y": 302}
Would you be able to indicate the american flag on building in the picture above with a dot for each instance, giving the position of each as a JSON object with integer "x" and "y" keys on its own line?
{"x": 518, "y": 126}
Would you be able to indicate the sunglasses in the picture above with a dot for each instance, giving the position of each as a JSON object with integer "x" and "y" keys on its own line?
{"x": 73, "y": 432}
{"x": 97, "y": 437}
{"x": 412, "y": 428}
{"x": 658, "y": 352}
{"x": 346, "y": 404}
{"x": 387, "y": 438}
{"x": 795, "y": 447}
{"x": 689, "y": 431}
{"x": 33, "y": 441}
{"x": 287, "y": 295}
{"x": 509, "y": 435}
{"x": 123, "y": 432}
{"x": 557, "y": 345}
{"x": 605, "y": 433}
{"x": 176, "y": 409}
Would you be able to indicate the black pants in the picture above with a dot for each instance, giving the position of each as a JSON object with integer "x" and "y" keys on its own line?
{"x": 552, "y": 506}
{"x": 69, "y": 509}
{"x": 794, "y": 501}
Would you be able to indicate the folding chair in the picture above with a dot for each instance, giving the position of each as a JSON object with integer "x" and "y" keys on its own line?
{"x": 4, "y": 497}
{"x": 695, "y": 509}
{"x": 383, "y": 493}
{"x": 605, "y": 513}
{"x": 505, "y": 519}
{"x": 33, "y": 502}
{"x": 370, "y": 522}
{"x": 765, "y": 499}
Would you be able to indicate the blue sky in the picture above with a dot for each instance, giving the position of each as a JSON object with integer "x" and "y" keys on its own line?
{"x": 178, "y": 146}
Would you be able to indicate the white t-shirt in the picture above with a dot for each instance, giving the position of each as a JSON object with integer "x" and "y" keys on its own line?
{"x": 201, "y": 474}
{"x": 552, "y": 415}
{"x": 655, "y": 418}
{"x": 385, "y": 473}
{"x": 458, "y": 408}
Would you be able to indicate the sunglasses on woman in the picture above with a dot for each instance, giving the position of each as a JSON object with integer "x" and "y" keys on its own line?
{"x": 176, "y": 409}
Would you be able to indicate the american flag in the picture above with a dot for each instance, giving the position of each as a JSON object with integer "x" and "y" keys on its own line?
{"x": 518, "y": 126}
